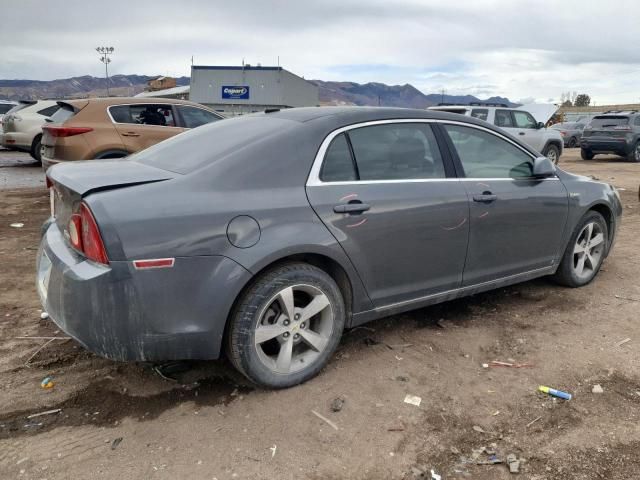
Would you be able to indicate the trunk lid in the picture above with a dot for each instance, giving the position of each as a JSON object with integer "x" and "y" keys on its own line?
{"x": 75, "y": 180}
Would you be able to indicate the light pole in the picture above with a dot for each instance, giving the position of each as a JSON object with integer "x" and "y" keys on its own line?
{"x": 105, "y": 52}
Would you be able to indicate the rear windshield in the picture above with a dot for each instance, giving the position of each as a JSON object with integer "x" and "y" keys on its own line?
{"x": 196, "y": 148}
{"x": 5, "y": 107}
{"x": 610, "y": 121}
{"x": 64, "y": 113}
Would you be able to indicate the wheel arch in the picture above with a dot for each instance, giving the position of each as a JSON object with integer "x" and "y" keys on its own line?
{"x": 111, "y": 153}
{"x": 555, "y": 142}
{"x": 604, "y": 210}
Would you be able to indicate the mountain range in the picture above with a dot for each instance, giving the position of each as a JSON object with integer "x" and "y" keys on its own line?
{"x": 331, "y": 93}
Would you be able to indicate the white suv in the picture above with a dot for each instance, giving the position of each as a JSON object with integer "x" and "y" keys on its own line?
{"x": 22, "y": 126}
{"x": 517, "y": 122}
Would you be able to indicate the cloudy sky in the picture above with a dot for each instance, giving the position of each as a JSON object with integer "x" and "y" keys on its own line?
{"x": 520, "y": 49}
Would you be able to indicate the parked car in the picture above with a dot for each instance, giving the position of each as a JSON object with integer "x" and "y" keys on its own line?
{"x": 22, "y": 126}
{"x": 103, "y": 128}
{"x": 571, "y": 133}
{"x": 264, "y": 236}
{"x": 616, "y": 132}
{"x": 5, "y": 107}
{"x": 517, "y": 122}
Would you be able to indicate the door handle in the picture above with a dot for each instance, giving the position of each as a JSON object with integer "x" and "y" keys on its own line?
{"x": 485, "y": 198}
{"x": 130, "y": 134}
{"x": 352, "y": 208}
{"x": 521, "y": 133}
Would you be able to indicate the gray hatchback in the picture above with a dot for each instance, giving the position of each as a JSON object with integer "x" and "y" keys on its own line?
{"x": 265, "y": 236}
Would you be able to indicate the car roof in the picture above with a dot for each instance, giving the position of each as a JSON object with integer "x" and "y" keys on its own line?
{"x": 107, "y": 101}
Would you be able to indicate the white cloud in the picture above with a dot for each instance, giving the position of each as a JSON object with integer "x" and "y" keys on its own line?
{"x": 535, "y": 49}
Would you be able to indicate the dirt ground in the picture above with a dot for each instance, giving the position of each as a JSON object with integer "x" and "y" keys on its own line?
{"x": 125, "y": 421}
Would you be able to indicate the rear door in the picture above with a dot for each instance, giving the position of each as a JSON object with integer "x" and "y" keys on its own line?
{"x": 390, "y": 197}
{"x": 144, "y": 124}
{"x": 516, "y": 221}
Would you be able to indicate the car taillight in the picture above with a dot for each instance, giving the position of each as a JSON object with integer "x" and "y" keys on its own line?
{"x": 48, "y": 181}
{"x": 66, "y": 131}
{"x": 563, "y": 133}
{"x": 84, "y": 235}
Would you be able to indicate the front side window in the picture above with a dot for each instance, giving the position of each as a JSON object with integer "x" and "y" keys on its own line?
{"x": 524, "y": 120}
{"x": 481, "y": 113}
{"x": 503, "y": 118}
{"x": 396, "y": 151}
{"x": 194, "y": 117}
{"x": 485, "y": 155}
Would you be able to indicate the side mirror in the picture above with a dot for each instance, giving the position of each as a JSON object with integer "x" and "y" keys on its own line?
{"x": 539, "y": 125}
{"x": 543, "y": 168}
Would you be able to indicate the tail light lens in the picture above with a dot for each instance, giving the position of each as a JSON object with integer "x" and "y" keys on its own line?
{"x": 84, "y": 235}
{"x": 66, "y": 131}
{"x": 563, "y": 134}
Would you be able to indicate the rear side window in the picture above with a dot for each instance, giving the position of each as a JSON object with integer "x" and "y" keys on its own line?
{"x": 524, "y": 120}
{"x": 5, "y": 107}
{"x": 485, "y": 155}
{"x": 64, "y": 113}
{"x": 609, "y": 121}
{"x": 338, "y": 165}
{"x": 396, "y": 151}
{"x": 193, "y": 117}
{"x": 503, "y": 119}
{"x": 49, "y": 111}
{"x": 481, "y": 113}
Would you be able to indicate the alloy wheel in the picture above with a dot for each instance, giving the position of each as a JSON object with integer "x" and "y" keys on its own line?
{"x": 637, "y": 152}
{"x": 294, "y": 329}
{"x": 588, "y": 250}
{"x": 552, "y": 155}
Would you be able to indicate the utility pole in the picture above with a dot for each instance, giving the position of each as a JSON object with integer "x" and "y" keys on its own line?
{"x": 442, "y": 96}
{"x": 105, "y": 52}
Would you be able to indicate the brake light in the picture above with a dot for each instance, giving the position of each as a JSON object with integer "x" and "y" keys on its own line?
{"x": 66, "y": 131}
{"x": 563, "y": 133}
{"x": 84, "y": 235}
{"x": 48, "y": 181}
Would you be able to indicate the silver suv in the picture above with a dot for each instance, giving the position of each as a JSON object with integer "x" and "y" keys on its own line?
{"x": 517, "y": 122}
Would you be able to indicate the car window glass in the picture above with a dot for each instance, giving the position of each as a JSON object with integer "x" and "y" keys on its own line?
{"x": 485, "y": 155}
{"x": 396, "y": 151}
{"x": 524, "y": 120}
{"x": 5, "y": 107}
{"x": 338, "y": 165}
{"x": 503, "y": 118}
{"x": 194, "y": 117}
{"x": 47, "y": 112}
{"x": 63, "y": 114}
{"x": 481, "y": 113}
{"x": 160, "y": 115}
{"x": 609, "y": 121}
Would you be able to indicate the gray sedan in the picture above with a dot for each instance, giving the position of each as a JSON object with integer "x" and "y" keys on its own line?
{"x": 571, "y": 132}
{"x": 263, "y": 237}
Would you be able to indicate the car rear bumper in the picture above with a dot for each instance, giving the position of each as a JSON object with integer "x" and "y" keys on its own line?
{"x": 605, "y": 145}
{"x": 16, "y": 140}
{"x": 122, "y": 313}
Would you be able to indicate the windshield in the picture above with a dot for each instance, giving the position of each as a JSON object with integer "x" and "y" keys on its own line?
{"x": 610, "y": 121}
{"x": 196, "y": 148}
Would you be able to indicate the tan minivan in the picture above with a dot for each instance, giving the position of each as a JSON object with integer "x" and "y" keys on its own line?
{"x": 97, "y": 128}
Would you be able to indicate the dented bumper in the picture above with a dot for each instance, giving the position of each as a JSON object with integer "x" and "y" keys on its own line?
{"x": 122, "y": 313}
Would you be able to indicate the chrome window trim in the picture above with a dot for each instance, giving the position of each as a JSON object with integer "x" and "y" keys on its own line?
{"x": 314, "y": 175}
{"x": 155, "y": 103}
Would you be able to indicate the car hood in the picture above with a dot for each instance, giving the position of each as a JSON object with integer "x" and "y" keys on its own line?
{"x": 542, "y": 112}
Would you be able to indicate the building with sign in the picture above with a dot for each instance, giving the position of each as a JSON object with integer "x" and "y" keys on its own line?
{"x": 246, "y": 89}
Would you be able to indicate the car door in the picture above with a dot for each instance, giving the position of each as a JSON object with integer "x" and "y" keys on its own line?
{"x": 516, "y": 220}
{"x": 389, "y": 196}
{"x": 527, "y": 129}
{"x": 145, "y": 124}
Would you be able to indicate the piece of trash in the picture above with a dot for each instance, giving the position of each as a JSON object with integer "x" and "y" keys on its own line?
{"x": 47, "y": 383}
{"x": 478, "y": 429}
{"x": 17, "y": 225}
{"x": 413, "y": 400}
{"x": 554, "y": 393}
{"x": 48, "y": 412}
{"x": 434, "y": 475}
{"x": 273, "y": 450}
{"x": 597, "y": 389}
{"x": 454, "y": 450}
{"x": 622, "y": 342}
{"x": 337, "y": 404}
{"x": 496, "y": 363}
{"x": 497, "y": 412}
{"x": 533, "y": 421}
{"x": 44, "y": 316}
{"x": 485, "y": 365}
{"x": 513, "y": 462}
{"x": 325, "y": 419}
{"x": 398, "y": 358}
{"x": 115, "y": 443}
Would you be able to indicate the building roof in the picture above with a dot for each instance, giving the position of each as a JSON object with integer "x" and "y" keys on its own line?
{"x": 167, "y": 91}
{"x": 234, "y": 67}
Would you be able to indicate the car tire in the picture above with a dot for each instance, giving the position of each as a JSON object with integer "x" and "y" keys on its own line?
{"x": 274, "y": 350}
{"x": 634, "y": 154}
{"x": 588, "y": 245}
{"x": 36, "y": 147}
{"x": 573, "y": 142}
{"x": 552, "y": 153}
{"x": 586, "y": 154}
